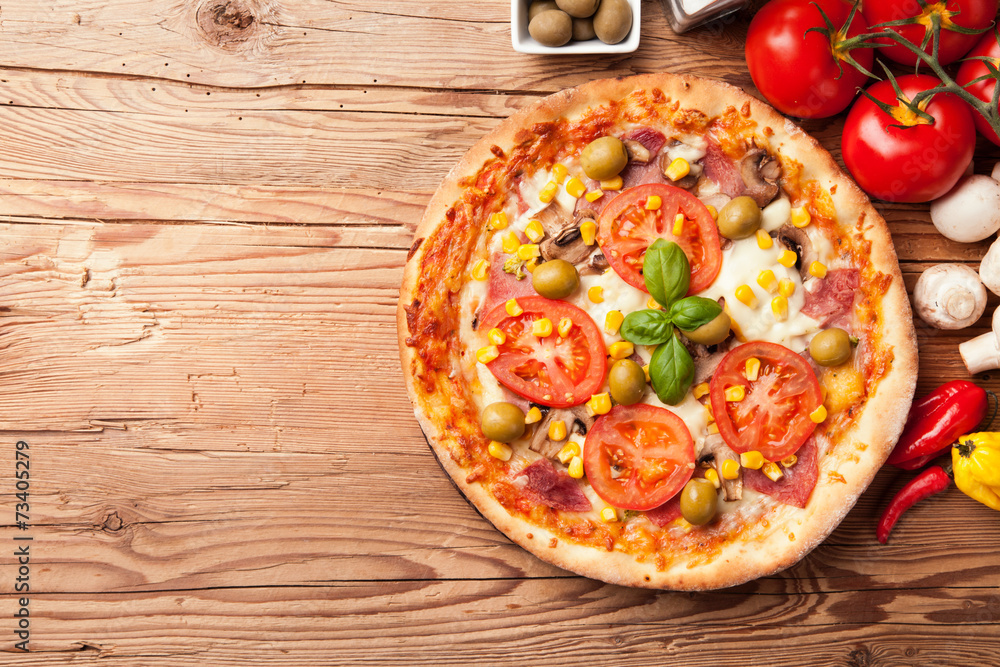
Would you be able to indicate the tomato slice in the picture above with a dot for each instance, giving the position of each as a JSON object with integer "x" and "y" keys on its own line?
{"x": 773, "y": 417}
{"x": 626, "y": 229}
{"x": 554, "y": 371}
{"x": 638, "y": 457}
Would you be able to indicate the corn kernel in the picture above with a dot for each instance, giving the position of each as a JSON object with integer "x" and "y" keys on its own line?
{"x": 801, "y": 217}
{"x": 736, "y": 393}
{"x": 767, "y": 280}
{"x": 575, "y": 187}
{"x": 752, "y": 459}
{"x": 653, "y": 203}
{"x": 787, "y": 258}
{"x": 817, "y": 269}
{"x": 575, "y": 467}
{"x": 752, "y": 369}
{"x": 645, "y": 371}
{"x": 764, "y": 240}
{"x": 713, "y": 429}
{"x": 608, "y": 514}
{"x": 678, "y": 169}
{"x": 779, "y": 307}
{"x": 712, "y": 475}
{"x": 789, "y": 460}
{"x": 559, "y": 173}
{"x": 746, "y": 296}
{"x": 569, "y": 450}
{"x": 709, "y": 415}
{"x": 487, "y": 354}
{"x": 557, "y": 430}
{"x": 596, "y": 294}
{"x": 534, "y": 231}
{"x": 700, "y": 390}
{"x": 528, "y": 251}
{"x": 498, "y": 221}
{"x": 621, "y": 349}
{"x": 678, "y": 224}
{"x": 613, "y": 321}
{"x": 533, "y": 416}
{"x": 712, "y": 211}
{"x": 599, "y": 404}
{"x": 481, "y": 270}
{"x": 542, "y": 327}
{"x": 594, "y": 195}
{"x": 773, "y": 472}
{"x": 500, "y": 450}
{"x": 612, "y": 183}
{"x": 548, "y": 192}
{"x": 588, "y": 232}
{"x": 496, "y": 336}
{"x": 730, "y": 469}
{"x": 513, "y": 308}
{"x": 818, "y": 415}
{"x": 531, "y": 265}
{"x": 786, "y": 288}
{"x": 565, "y": 326}
{"x": 653, "y": 304}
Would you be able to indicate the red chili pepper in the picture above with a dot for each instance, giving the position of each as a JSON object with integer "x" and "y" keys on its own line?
{"x": 933, "y": 480}
{"x": 936, "y": 420}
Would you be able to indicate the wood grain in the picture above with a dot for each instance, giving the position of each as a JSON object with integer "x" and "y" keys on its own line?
{"x": 205, "y": 209}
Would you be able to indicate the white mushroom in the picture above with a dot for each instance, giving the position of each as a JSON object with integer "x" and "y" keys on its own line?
{"x": 970, "y": 211}
{"x": 949, "y": 296}
{"x": 989, "y": 268}
{"x": 982, "y": 353}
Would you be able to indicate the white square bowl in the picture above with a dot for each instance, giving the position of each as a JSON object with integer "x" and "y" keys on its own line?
{"x": 523, "y": 42}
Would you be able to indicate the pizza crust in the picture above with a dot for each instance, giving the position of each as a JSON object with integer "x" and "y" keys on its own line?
{"x": 843, "y": 475}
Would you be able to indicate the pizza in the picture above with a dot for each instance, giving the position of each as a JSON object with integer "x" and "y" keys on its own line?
{"x": 655, "y": 335}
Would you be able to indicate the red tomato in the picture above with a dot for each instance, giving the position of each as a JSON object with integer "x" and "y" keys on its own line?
{"x": 909, "y": 164}
{"x": 773, "y": 417}
{"x": 638, "y": 457}
{"x": 975, "y": 14}
{"x": 554, "y": 371}
{"x": 798, "y": 72}
{"x": 973, "y": 69}
{"x": 626, "y": 229}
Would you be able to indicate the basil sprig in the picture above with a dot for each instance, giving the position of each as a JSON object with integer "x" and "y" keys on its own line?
{"x": 667, "y": 274}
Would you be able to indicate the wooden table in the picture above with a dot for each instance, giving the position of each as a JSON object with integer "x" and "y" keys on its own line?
{"x": 206, "y": 210}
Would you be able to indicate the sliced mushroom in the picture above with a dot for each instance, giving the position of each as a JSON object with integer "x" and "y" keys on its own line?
{"x": 567, "y": 243}
{"x": 716, "y": 450}
{"x": 688, "y": 181}
{"x": 760, "y": 174}
{"x": 577, "y": 421}
{"x": 637, "y": 152}
{"x": 796, "y": 240}
{"x": 596, "y": 265}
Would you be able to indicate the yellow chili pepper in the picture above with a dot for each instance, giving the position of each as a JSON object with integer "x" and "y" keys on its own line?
{"x": 975, "y": 459}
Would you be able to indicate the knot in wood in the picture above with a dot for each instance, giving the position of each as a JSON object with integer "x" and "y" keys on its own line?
{"x": 228, "y": 23}
{"x": 112, "y": 523}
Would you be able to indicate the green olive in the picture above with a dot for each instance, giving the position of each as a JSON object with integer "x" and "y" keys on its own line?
{"x": 604, "y": 158}
{"x": 627, "y": 382}
{"x": 583, "y": 29}
{"x": 740, "y": 218}
{"x": 503, "y": 422}
{"x": 831, "y": 347}
{"x": 613, "y": 21}
{"x": 540, "y": 6}
{"x": 551, "y": 27}
{"x": 555, "y": 279}
{"x": 713, "y": 332}
{"x": 580, "y": 9}
{"x": 699, "y": 501}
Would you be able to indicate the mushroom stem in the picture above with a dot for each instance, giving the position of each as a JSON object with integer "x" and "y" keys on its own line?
{"x": 982, "y": 353}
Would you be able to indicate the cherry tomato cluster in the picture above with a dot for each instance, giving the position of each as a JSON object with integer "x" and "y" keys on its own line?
{"x": 810, "y": 57}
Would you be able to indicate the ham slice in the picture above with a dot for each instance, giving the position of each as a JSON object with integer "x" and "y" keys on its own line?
{"x": 652, "y": 140}
{"x": 721, "y": 169}
{"x": 503, "y": 286}
{"x": 665, "y": 513}
{"x": 798, "y": 482}
{"x": 554, "y": 488}
{"x": 833, "y": 300}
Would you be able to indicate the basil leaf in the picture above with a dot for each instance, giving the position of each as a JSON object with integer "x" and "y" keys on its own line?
{"x": 671, "y": 371}
{"x": 666, "y": 272}
{"x": 694, "y": 311}
{"x": 646, "y": 327}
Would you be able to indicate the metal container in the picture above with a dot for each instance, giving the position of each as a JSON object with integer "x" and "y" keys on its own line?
{"x": 686, "y": 14}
